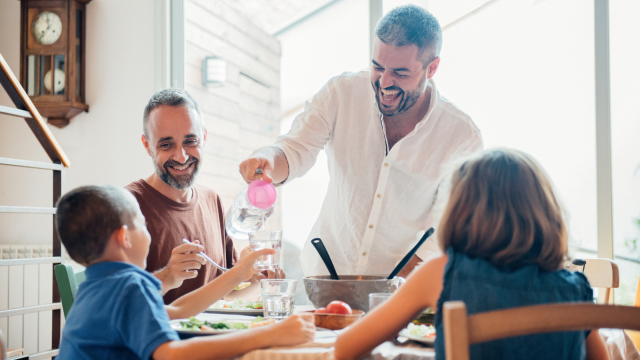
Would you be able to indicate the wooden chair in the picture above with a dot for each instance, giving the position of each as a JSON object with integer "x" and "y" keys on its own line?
{"x": 604, "y": 274}
{"x": 601, "y": 273}
{"x": 461, "y": 330}
{"x": 68, "y": 281}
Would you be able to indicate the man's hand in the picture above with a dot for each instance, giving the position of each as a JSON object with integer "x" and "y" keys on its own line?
{"x": 183, "y": 264}
{"x": 271, "y": 160}
{"x": 249, "y": 166}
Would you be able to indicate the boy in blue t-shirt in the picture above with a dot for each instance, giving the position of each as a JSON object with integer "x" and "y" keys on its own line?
{"x": 119, "y": 312}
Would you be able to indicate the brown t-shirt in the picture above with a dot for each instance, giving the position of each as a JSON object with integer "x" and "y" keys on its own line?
{"x": 169, "y": 222}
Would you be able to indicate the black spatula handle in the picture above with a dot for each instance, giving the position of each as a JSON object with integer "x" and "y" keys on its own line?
{"x": 408, "y": 257}
{"x": 319, "y": 245}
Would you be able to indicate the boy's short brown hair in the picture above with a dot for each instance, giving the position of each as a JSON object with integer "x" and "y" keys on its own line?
{"x": 502, "y": 209}
{"x": 87, "y": 216}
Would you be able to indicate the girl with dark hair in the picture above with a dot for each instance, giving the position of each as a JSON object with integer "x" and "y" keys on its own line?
{"x": 504, "y": 240}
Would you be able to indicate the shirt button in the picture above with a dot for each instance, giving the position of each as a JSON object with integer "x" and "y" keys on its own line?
{"x": 370, "y": 226}
{"x": 379, "y": 196}
{"x": 386, "y": 164}
{"x": 364, "y": 253}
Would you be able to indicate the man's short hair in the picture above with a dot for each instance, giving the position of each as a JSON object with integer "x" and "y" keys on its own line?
{"x": 412, "y": 25}
{"x": 87, "y": 216}
{"x": 171, "y": 97}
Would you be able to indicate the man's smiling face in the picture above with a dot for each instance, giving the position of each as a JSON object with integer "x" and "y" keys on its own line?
{"x": 397, "y": 77}
{"x": 176, "y": 144}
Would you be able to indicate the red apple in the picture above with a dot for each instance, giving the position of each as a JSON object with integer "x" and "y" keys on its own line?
{"x": 338, "y": 307}
{"x": 321, "y": 311}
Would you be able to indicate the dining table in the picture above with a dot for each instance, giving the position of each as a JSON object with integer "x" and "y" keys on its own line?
{"x": 618, "y": 343}
{"x": 321, "y": 348}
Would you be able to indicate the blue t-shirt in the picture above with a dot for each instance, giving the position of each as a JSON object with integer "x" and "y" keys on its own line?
{"x": 483, "y": 287}
{"x": 118, "y": 314}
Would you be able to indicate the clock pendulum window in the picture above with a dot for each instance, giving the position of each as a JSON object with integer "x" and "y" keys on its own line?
{"x": 52, "y": 66}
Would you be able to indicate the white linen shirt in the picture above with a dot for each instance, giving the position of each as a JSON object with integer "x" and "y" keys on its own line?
{"x": 376, "y": 203}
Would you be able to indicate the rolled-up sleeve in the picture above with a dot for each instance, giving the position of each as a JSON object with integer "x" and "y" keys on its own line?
{"x": 310, "y": 131}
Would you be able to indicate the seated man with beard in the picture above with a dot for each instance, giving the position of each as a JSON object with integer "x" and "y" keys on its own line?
{"x": 175, "y": 207}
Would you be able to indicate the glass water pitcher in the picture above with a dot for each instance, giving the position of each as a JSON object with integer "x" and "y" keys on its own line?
{"x": 250, "y": 210}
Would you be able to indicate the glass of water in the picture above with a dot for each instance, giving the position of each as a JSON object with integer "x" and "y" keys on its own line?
{"x": 266, "y": 240}
{"x": 376, "y": 299}
{"x": 278, "y": 297}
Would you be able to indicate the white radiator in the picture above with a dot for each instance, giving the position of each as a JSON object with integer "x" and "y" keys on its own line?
{"x": 26, "y": 285}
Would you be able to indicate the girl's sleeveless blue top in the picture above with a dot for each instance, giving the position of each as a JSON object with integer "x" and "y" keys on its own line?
{"x": 483, "y": 287}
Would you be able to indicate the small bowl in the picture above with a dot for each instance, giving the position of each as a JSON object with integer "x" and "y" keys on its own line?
{"x": 336, "y": 321}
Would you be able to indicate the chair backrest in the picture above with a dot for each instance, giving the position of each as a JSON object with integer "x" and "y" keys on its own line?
{"x": 601, "y": 273}
{"x": 68, "y": 282}
{"x": 461, "y": 330}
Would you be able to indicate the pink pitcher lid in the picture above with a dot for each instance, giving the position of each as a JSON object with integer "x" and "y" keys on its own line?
{"x": 261, "y": 194}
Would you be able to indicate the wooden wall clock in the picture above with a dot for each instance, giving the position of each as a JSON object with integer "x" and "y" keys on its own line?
{"x": 52, "y": 57}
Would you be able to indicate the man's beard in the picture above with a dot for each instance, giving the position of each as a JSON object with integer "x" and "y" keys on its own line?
{"x": 408, "y": 98}
{"x": 180, "y": 182}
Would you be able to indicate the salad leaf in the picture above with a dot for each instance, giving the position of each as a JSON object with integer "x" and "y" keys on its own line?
{"x": 422, "y": 331}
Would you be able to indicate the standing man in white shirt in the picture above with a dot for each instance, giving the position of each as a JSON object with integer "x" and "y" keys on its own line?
{"x": 390, "y": 138}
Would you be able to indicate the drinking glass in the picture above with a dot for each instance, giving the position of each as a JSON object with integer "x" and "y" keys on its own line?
{"x": 376, "y": 299}
{"x": 266, "y": 240}
{"x": 278, "y": 297}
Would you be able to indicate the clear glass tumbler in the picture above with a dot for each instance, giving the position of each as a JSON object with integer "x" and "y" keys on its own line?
{"x": 278, "y": 297}
{"x": 376, "y": 299}
{"x": 267, "y": 240}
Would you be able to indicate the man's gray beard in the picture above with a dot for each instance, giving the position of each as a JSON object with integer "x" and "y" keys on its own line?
{"x": 408, "y": 99}
{"x": 182, "y": 182}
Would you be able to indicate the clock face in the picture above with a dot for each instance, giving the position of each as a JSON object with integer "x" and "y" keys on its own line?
{"x": 47, "y": 28}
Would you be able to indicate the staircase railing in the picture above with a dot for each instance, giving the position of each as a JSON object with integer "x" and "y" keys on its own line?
{"x": 24, "y": 108}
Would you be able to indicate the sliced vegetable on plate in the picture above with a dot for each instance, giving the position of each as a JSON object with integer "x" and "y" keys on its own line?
{"x": 421, "y": 333}
{"x": 194, "y": 324}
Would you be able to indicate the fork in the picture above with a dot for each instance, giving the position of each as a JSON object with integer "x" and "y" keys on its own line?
{"x": 223, "y": 269}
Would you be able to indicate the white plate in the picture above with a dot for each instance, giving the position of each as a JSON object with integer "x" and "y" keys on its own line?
{"x": 175, "y": 325}
{"x": 405, "y": 333}
{"x": 255, "y": 312}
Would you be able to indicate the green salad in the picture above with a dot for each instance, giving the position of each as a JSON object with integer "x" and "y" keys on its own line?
{"x": 194, "y": 324}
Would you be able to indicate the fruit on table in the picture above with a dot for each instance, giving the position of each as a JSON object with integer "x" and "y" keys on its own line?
{"x": 338, "y": 307}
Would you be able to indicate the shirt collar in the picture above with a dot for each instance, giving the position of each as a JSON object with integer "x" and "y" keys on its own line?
{"x": 106, "y": 269}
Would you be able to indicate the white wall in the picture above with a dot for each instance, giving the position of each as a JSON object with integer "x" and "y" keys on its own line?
{"x": 103, "y": 145}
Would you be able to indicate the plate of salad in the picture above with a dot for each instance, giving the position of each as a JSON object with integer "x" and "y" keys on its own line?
{"x": 193, "y": 326}
{"x": 237, "y": 306}
{"x": 421, "y": 333}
